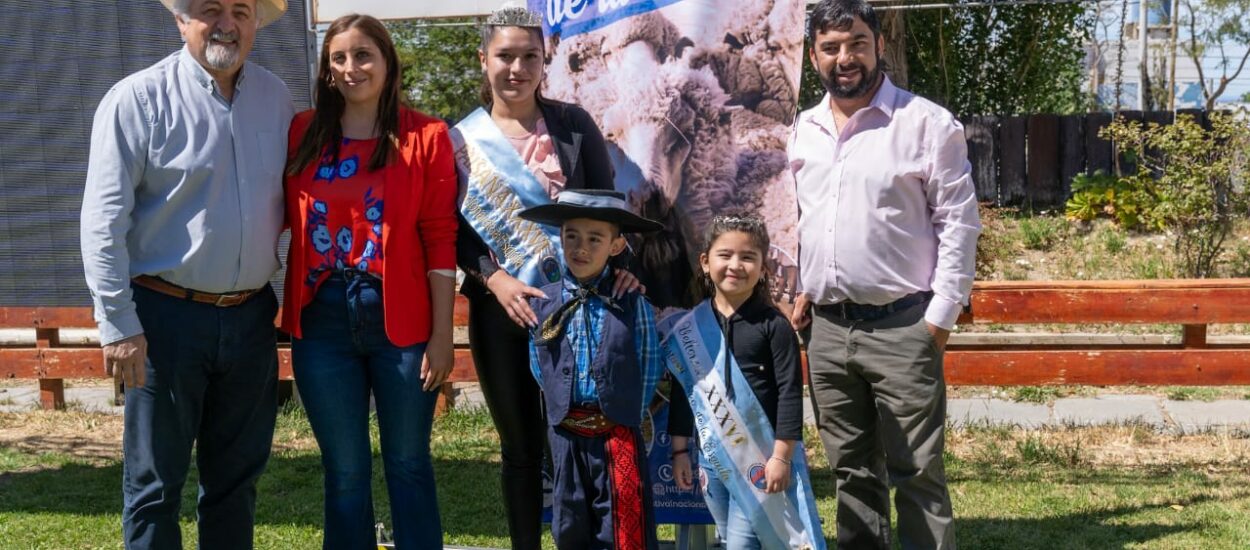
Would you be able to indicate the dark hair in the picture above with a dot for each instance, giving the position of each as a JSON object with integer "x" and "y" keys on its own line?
{"x": 754, "y": 227}
{"x": 616, "y": 227}
{"x": 840, "y": 15}
{"x": 325, "y": 133}
{"x": 487, "y": 33}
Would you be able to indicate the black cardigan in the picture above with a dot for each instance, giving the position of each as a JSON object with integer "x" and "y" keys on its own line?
{"x": 584, "y": 160}
{"x": 767, "y": 352}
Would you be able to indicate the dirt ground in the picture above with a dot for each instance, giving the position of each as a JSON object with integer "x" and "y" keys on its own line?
{"x": 79, "y": 434}
{"x": 1126, "y": 445}
{"x": 96, "y": 436}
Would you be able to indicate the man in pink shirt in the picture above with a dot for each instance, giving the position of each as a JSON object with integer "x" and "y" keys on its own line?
{"x": 887, "y": 230}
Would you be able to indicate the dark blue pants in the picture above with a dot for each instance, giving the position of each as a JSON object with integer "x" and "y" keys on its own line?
{"x": 583, "y": 497}
{"x": 343, "y": 356}
{"x": 212, "y": 382}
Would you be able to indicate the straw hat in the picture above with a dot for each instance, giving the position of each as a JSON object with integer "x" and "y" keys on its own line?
{"x": 596, "y": 204}
{"x": 267, "y": 10}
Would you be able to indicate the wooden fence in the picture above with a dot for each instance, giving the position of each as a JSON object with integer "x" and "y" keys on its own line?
{"x": 1194, "y": 304}
{"x": 1029, "y": 161}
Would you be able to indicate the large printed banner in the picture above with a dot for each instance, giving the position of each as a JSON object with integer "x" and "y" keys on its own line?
{"x": 696, "y": 99}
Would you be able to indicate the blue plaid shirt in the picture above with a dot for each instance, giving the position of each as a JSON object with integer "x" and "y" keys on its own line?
{"x": 584, "y": 332}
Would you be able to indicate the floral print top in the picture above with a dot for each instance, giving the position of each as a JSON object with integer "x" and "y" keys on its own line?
{"x": 344, "y": 220}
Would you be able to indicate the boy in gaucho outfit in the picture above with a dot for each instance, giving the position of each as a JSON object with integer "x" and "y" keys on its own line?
{"x": 598, "y": 360}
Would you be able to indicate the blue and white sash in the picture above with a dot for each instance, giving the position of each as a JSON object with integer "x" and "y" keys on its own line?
{"x": 494, "y": 185}
{"x": 736, "y": 438}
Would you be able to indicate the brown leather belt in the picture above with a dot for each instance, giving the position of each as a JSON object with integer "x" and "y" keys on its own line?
{"x": 586, "y": 422}
{"x": 229, "y": 299}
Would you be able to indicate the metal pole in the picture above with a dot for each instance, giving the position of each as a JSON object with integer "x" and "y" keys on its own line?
{"x": 1142, "y": 78}
{"x": 310, "y": 29}
{"x": 977, "y": 4}
{"x": 1176, "y": 6}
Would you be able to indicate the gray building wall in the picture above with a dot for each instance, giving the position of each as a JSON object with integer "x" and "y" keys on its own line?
{"x": 60, "y": 57}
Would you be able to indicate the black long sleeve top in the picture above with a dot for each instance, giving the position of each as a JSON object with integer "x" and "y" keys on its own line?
{"x": 767, "y": 352}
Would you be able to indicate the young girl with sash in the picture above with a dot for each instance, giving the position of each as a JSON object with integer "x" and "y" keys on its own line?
{"x": 737, "y": 359}
{"x": 370, "y": 282}
{"x": 519, "y": 150}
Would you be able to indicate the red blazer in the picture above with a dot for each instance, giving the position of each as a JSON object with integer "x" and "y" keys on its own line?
{"x": 418, "y": 226}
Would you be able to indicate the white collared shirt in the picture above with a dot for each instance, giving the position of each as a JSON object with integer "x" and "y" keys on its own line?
{"x": 886, "y": 204}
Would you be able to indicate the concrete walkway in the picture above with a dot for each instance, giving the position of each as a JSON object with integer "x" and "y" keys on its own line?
{"x": 1149, "y": 410}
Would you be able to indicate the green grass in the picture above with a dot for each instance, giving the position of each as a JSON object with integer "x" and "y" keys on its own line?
{"x": 1148, "y": 266}
{"x": 1034, "y": 450}
{"x": 1041, "y": 232}
{"x": 1045, "y": 506}
{"x": 1036, "y": 394}
{"x": 1192, "y": 393}
{"x": 1010, "y": 489}
{"x": 1113, "y": 240}
{"x": 57, "y": 501}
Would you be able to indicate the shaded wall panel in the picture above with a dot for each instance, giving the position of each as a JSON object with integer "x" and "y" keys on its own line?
{"x": 61, "y": 57}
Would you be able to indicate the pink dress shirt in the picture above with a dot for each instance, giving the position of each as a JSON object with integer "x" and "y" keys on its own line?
{"x": 886, "y": 204}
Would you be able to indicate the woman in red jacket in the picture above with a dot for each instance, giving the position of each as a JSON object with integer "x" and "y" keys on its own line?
{"x": 371, "y": 198}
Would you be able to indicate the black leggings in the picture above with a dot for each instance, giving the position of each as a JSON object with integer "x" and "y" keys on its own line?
{"x": 501, "y": 356}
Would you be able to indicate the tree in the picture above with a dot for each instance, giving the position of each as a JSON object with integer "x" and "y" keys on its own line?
{"x": 1107, "y": 16}
{"x": 985, "y": 59}
{"x": 1010, "y": 59}
{"x": 440, "y": 67}
{"x": 894, "y": 29}
{"x": 1214, "y": 25}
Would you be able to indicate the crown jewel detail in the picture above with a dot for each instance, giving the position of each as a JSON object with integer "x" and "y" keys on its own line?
{"x": 513, "y": 16}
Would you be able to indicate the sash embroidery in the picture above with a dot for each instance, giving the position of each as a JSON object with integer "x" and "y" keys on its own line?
{"x": 736, "y": 438}
{"x": 625, "y": 486}
{"x": 494, "y": 186}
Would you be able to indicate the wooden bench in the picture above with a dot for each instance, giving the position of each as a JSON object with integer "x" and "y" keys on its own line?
{"x": 1193, "y": 361}
{"x": 51, "y": 361}
{"x": 1195, "y": 304}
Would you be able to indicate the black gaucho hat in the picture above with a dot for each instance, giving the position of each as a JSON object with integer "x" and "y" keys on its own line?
{"x": 595, "y": 204}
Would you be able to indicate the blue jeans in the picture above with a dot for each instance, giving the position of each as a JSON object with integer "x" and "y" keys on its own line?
{"x": 734, "y": 527}
{"x": 344, "y": 355}
{"x": 212, "y": 382}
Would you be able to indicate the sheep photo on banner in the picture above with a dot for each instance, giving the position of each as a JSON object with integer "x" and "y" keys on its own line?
{"x": 696, "y": 99}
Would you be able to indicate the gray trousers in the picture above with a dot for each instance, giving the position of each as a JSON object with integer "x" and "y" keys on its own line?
{"x": 881, "y": 409}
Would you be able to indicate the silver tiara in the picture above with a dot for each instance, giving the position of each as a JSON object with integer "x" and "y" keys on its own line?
{"x": 512, "y": 15}
{"x": 750, "y": 221}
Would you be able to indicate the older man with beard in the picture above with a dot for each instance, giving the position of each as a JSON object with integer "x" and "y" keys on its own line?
{"x": 180, "y": 222}
{"x": 887, "y": 232}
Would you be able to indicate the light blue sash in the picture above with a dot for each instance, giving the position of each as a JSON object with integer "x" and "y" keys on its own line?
{"x": 735, "y": 437}
{"x": 494, "y": 186}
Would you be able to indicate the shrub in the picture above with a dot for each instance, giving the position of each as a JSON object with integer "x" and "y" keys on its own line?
{"x": 1128, "y": 201}
{"x": 1190, "y": 171}
{"x": 1239, "y": 263}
